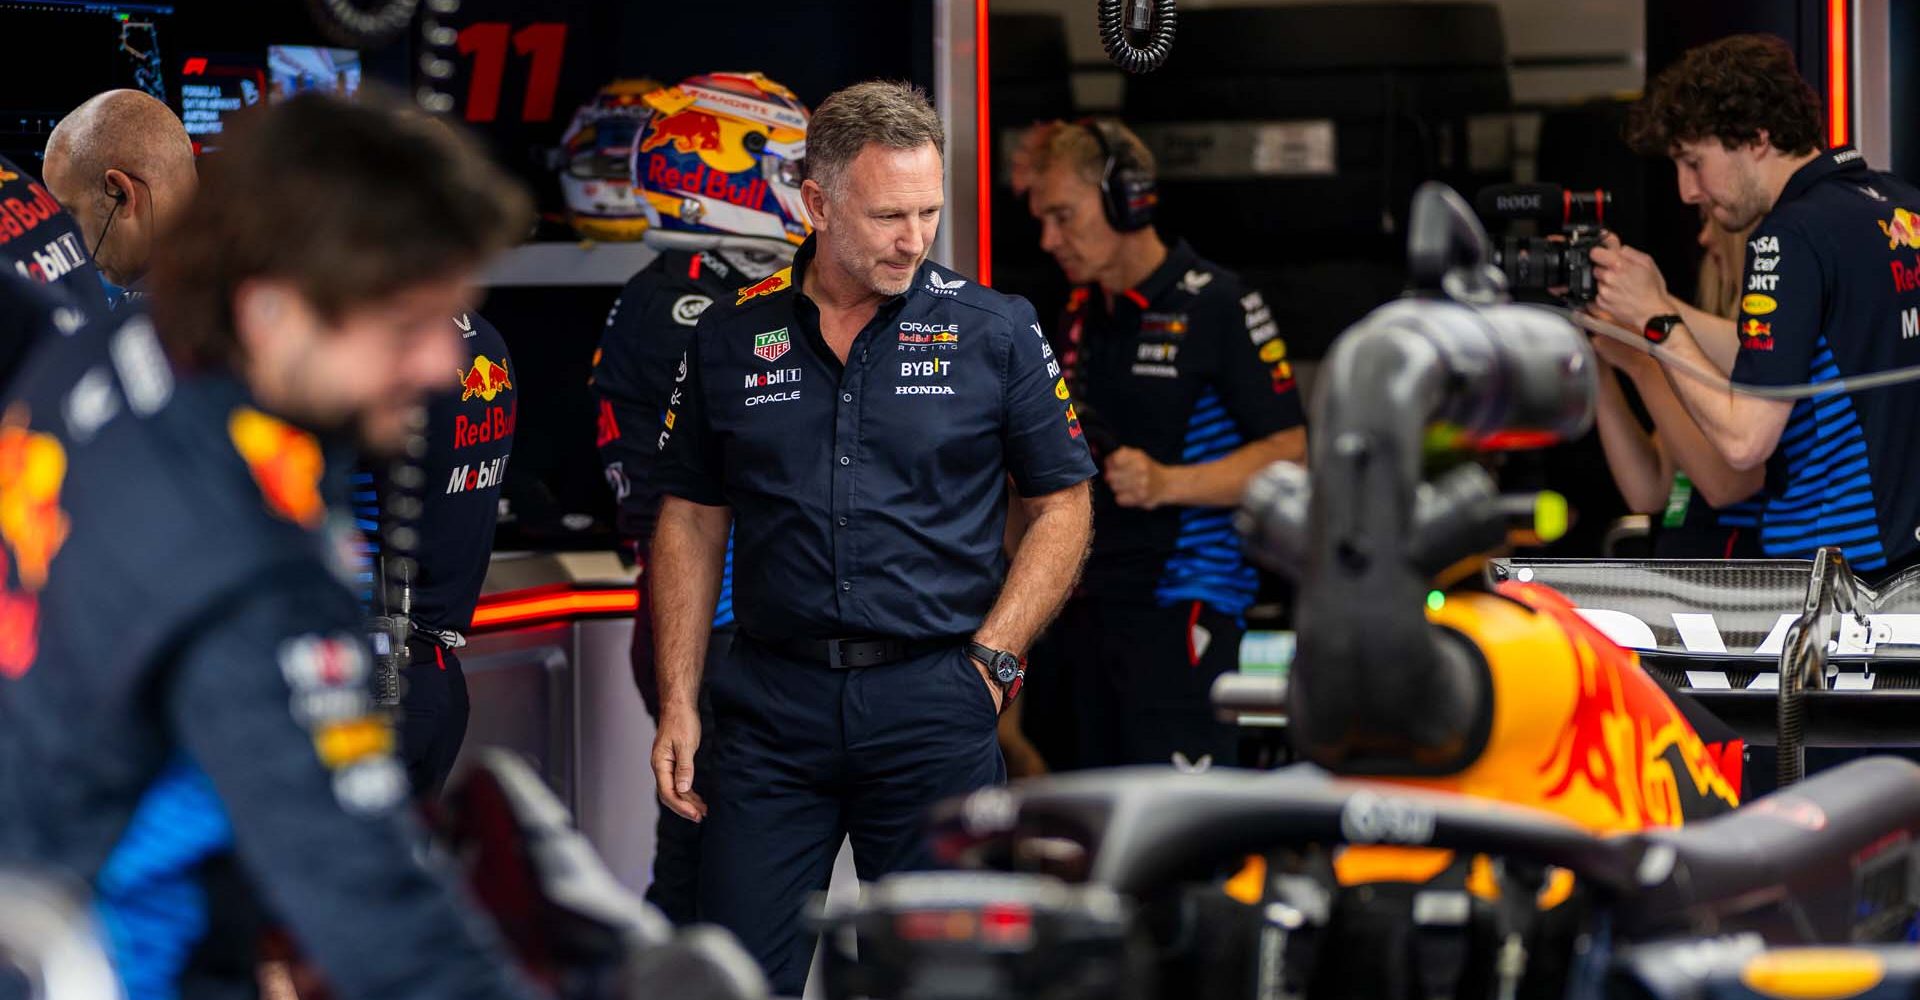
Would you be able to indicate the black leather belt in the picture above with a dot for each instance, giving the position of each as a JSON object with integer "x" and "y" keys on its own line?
{"x": 846, "y": 654}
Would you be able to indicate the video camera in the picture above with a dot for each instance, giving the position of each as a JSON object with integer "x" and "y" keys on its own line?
{"x": 1537, "y": 265}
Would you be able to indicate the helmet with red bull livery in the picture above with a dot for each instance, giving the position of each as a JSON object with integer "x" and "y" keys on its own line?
{"x": 598, "y": 146}
{"x": 720, "y": 156}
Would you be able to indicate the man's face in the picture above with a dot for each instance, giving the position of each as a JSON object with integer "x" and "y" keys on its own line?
{"x": 1073, "y": 227}
{"x": 1725, "y": 182}
{"x": 144, "y": 210}
{"x": 881, "y": 217}
{"x": 370, "y": 370}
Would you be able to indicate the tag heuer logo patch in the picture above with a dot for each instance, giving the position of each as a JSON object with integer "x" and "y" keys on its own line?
{"x": 771, "y": 346}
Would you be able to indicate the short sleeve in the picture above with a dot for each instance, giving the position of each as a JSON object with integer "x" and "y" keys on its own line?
{"x": 1046, "y": 449}
{"x": 1779, "y": 321}
{"x": 689, "y": 464}
{"x": 1254, "y": 374}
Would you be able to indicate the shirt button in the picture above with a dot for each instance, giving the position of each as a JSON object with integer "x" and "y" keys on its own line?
{"x": 845, "y": 585}
{"x": 843, "y": 522}
{"x": 844, "y": 460}
{"x": 846, "y": 397}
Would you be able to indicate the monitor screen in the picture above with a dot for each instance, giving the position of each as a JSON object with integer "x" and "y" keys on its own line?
{"x": 100, "y": 46}
{"x": 214, "y": 87}
{"x": 294, "y": 69}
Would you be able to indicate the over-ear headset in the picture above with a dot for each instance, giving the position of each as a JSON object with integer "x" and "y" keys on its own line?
{"x": 1128, "y": 190}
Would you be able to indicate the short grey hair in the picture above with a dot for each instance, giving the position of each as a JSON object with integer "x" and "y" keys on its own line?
{"x": 879, "y": 112}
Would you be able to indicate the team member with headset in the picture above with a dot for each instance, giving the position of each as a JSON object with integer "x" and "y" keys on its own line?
{"x": 1832, "y": 290}
{"x": 707, "y": 253}
{"x": 122, "y": 163}
{"x": 1186, "y": 391}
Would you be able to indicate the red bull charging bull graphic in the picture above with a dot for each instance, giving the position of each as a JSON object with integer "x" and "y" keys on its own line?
{"x": 33, "y": 527}
{"x": 721, "y": 154}
{"x": 765, "y": 286}
{"x": 486, "y": 379}
{"x": 285, "y": 462}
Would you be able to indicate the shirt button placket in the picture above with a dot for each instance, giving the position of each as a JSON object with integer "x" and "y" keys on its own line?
{"x": 846, "y": 444}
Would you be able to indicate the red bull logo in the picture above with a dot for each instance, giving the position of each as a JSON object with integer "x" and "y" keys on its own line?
{"x": 945, "y": 338}
{"x": 284, "y": 461}
{"x": 33, "y": 468}
{"x": 1756, "y": 335}
{"x": 1073, "y": 423}
{"x": 486, "y": 379}
{"x": 1902, "y": 231}
{"x": 766, "y": 286}
{"x": 690, "y": 131}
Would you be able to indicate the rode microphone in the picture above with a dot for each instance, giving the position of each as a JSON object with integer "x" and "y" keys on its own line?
{"x": 1548, "y": 204}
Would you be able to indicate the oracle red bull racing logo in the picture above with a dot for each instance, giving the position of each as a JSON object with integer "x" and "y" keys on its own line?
{"x": 486, "y": 379}
{"x": 33, "y": 527}
{"x": 1756, "y": 335}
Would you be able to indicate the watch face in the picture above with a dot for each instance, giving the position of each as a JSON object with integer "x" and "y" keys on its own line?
{"x": 1006, "y": 667}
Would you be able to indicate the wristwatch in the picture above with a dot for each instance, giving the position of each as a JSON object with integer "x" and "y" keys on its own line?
{"x": 1659, "y": 328}
{"x": 1006, "y": 669}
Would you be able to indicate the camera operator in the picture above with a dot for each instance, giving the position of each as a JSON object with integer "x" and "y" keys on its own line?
{"x": 1743, "y": 130}
{"x": 1187, "y": 391}
{"x": 1674, "y": 472}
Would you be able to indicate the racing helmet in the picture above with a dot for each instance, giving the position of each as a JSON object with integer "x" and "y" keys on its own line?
{"x": 720, "y": 156}
{"x": 596, "y": 148}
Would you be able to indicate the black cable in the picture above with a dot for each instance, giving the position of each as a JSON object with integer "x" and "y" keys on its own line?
{"x": 1152, "y": 18}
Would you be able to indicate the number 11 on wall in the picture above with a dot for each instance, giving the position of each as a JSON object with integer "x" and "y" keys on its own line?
{"x": 486, "y": 42}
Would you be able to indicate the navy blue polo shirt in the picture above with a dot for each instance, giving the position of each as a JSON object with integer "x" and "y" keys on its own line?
{"x": 869, "y": 499}
{"x": 39, "y": 241}
{"x": 1188, "y": 367}
{"x": 1832, "y": 290}
{"x": 469, "y": 443}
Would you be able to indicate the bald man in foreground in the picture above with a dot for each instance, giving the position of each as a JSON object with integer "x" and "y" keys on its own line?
{"x": 123, "y": 166}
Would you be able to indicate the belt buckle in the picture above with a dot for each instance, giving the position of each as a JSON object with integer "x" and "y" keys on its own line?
{"x": 833, "y": 654}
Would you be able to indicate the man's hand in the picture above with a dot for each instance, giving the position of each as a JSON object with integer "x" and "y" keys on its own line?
{"x": 1629, "y": 284}
{"x": 987, "y": 679}
{"x": 1135, "y": 479}
{"x": 673, "y": 747}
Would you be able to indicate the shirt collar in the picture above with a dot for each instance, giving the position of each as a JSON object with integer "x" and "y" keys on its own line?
{"x": 1180, "y": 260}
{"x": 1836, "y": 161}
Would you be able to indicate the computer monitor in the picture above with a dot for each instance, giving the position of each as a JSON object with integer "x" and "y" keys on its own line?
{"x": 100, "y": 46}
{"x": 294, "y": 69}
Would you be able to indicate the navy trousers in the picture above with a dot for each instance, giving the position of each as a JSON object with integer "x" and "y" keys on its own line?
{"x": 805, "y": 755}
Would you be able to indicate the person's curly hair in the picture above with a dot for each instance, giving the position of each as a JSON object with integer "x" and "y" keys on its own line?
{"x": 1729, "y": 90}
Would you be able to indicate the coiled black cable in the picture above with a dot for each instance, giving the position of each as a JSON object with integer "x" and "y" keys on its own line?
{"x": 1154, "y": 18}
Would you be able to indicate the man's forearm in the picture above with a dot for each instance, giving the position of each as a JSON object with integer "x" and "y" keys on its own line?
{"x": 1044, "y": 570}
{"x": 1718, "y": 481}
{"x": 1743, "y": 429}
{"x": 1633, "y": 458}
{"x": 689, "y": 548}
{"x": 1221, "y": 482}
{"x": 1714, "y": 335}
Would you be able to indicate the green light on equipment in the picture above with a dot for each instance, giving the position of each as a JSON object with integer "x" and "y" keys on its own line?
{"x": 1549, "y": 516}
{"x": 1436, "y": 600}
